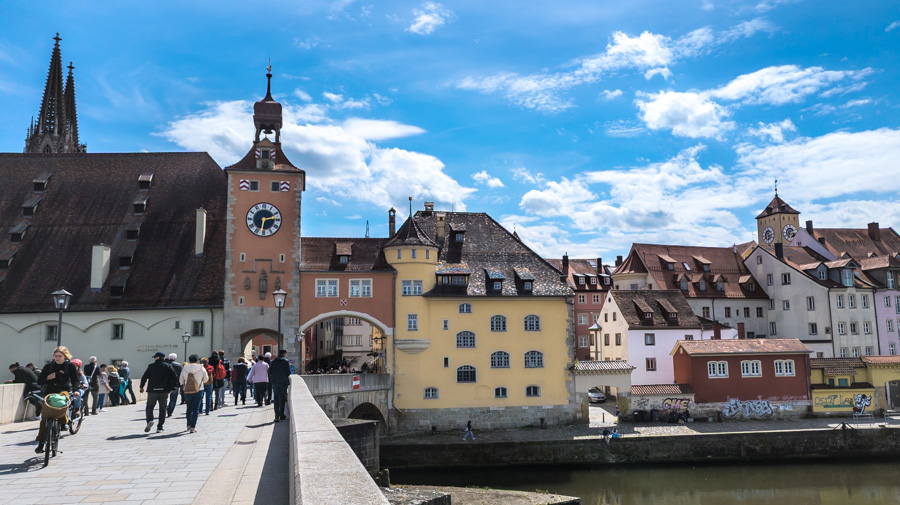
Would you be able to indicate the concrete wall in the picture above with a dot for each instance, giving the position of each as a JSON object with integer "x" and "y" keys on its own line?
{"x": 871, "y": 445}
{"x": 324, "y": 468}
{"x": 12, "y": 408}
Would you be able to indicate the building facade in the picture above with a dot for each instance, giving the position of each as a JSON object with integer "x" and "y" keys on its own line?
{"x": 590, "y": 281}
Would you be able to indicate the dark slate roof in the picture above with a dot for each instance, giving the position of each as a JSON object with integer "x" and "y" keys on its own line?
{"x": 487, "y": 247}
{"x": 584, "y": 268}
{"x": 743, "y": 346}
{"x": 628, "y": 301}
{"x": 322, "y": 254}
{"x": 724, "y": 263}
{"x": 661, "y": 389}
{"x": 88, "y": 200}
{"x": 777, "y": 206}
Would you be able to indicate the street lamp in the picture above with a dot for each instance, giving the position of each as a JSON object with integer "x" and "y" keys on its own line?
{"x": 280, "y": 295}
{"x": 185, "y": 337}
{"x": 61, "y": 301}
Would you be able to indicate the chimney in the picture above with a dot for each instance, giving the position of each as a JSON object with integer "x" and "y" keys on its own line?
{"x": 599, "y": 266}
{"x": 809, "y": 227}
{"x": 429, "y": 207}
{"x": 822, "y": 240}
{"x": 779, "y": 250}
{"x": 200, "y": 232}
{"x": 439, "y": 224}
{"x": 874, "y": 231}
{"x": 392, "y": 222}
{"x": 566, "y": 264}
{"x": 618, "y": 260}
{"x": 99, "y": 266}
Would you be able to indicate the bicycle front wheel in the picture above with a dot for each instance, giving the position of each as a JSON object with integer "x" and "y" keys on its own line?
{"x": 48, "y": 439}
{"x": 75, "y": 422}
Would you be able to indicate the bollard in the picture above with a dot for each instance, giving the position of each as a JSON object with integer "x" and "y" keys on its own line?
{"x": 603, "y": 419}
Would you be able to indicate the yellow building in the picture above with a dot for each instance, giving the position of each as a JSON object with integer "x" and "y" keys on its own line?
{"x": 838, "y": 385}
{"x": 483, "y": 327}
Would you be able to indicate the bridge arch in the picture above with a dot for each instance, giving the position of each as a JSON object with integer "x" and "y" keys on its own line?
{"x": 385, "y": 329}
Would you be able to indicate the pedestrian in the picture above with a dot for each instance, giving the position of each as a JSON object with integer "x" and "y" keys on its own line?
{"x": 268, "y": 359}
{"x": 615, "y": 433}
{"x": 102, "y": 387}
{"x": 92, "y": 372}
{"x": 227, "y": 365}
{"x": 208, "y": 385}
{"x": 280, "y": 379}
{"x": 193, "y": 376}
{"x": 24, "y": 375}
{"x": 160, "y": 380}
{"x": 112, "y": 375}
{"x": 239, "y": 381}
{"x": 606, "y": 435}
{"x": 37, "y": 371}
{"x": 259, "y": 376}
{"x": 59, "y": 376}
{"x": 172, "y": 360}
{"x": 469, "y": 432}
{"x": 125, "y": 373}
{"x": 219, "y": 374}
{"x": 250, "y": 386}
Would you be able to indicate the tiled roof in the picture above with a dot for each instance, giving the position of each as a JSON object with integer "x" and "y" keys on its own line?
{"x": 411, "y": 233}
{"x": 661, "y": 389}
{"x": 603, "y": 366}
{"x": 453, "y": 268}
{"x": 857, "y": 242}
{"x": 881, "y": 360}
{"x": 659, "y": 302}
{"x": 487, "y": 247}
{"x": 805, "y": 259}
{"x": 88, "y": 200}
{"x": 777, "y": 205}
{"x": 321, "y": 254}
{"x": 743, "y": 346}
{"x": 726, "y": 262}
{"x": 585, "y": 268}
{"x": 837, "y": 366}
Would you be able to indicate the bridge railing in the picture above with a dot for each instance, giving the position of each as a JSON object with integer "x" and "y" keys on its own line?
{"x": 328, "y": 384}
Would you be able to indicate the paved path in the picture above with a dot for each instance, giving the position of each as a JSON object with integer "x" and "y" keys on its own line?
{"x": 237, "y": 456}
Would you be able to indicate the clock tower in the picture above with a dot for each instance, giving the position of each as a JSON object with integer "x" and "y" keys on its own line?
{"x": 262, "y": 245}
{"x": 778, "y": 223}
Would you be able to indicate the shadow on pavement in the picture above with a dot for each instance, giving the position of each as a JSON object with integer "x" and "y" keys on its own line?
{"x": 169, "y": 435}
{"x": 127, "y": 437}
{"x": 273, "y": 484}
{"x": 29, "y": 465}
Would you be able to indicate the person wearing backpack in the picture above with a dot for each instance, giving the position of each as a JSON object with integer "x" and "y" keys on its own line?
{"x": 193, "y": 376}
{"x": 219, "y": 373}
{"x": 92, "y": 371}
{"x": 208, "y": 384}
{"x": 172, "y": 360}
{"x": 227, "y": 365}
{"x": 160, "y": 379}
{"x": 115, "y": 380}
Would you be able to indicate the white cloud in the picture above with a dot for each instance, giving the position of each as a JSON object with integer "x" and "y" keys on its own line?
{"x": 335, "y": 153}
{"x": 663, "y": 71}
{"x": 557, "y": 199}
{"x": 686, "y": 114}
{"x": 892, "y": 26}
{"x": 522, "y": 174}
{"x": 782, "y": 84}
{"x": 307, "y": 44}
{"x": 484, "y": 178}
{"x": 773, "y": 131}
{"x": 429, "y": 17}
{"x": 374, "y": 129}
{"x": 338, "y": 101}
{"x": 623, "y": 128}
{"x": 303, "y": 95}
{"x": 610, "y": 95}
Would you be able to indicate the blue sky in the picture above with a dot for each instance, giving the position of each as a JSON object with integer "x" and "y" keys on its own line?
{"x": 585, "y": 126}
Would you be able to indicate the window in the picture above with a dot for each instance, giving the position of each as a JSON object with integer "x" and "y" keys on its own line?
{"x": 889, "y": 324}
{"x": 361, "y": 288}
{"x": 431, "y": 393}
{"x": 465, "y": 339}
{"x": 855, "y": 352}
{"x": 412, "y": 322}
{"x": 413, "y": 254}
{"x": 618, "y": 339}
{"x": 751, "y": 368}
{"x": 651, "y": 364}
{"x": 399, "y": 254}
{"x": 717, "y": 369}
{"x": 582, "y": 319}
{"x": 498, "y": 323}
{"x": 118, "y": 331}
{"x": 887, "y": 301}
{"x": 606, "y": 339}
{"x": 786, "y": 278}
{"x": 582, "y": 298}
{"x": 465, "y": 373}
{"x": 465, "y": 308}
{"x": 843, "y": 352}
{"x": 892, "y": 349}
{"x": 427, "y": 253}
{"x": 839, "y": 300}
{"x": 683, "y": 285}
{"x": 701, "y": 285}
{"x": 606, "y": 317}
{"x": 854, "y": 328}
{"x": 670, "y": 266}
{"x": 274, "y": 185}
{"x": 842, "y": 382}
{"x": 823, "y": 274}
{"x": 842, "y": 329}
{"x": 500, "y": 392}
{"x": 596, "y": 299}
{"x": 51, "y": 332}
{"x": 459, "y": 280}
{"x": 897, "y": 304}
{"x": 813, "y": 329}
{"x": 583, "y": 341}
{"x": 786, "y": 304}
{"x": 533, "y": 391}
{"x": 243, "y": 257}
{"x": 759, "y": 312}
{"x": 409, "y": 288}
{"x": 581, "y": 281}
{"x": 868, "y": 350}
{"x": 720, "y": 286}
{"x": 851, "y": 301}
{"x": 499, "y": 359}
{"x": 746, "y": 311}
{"x": 534, "y": 359}
{"x": 196, "y": 328}
{"x": 705, "y": 312}
{"x": 446, "y": 324}
{"x": 847, "y": 277}
{"x": 649, "y": 339}
{"x": 784, "y": 368}
{"x": 864, "y": 301}
{"x": 772, "y": 328}
{"x": 770, "y": 279}
{"x": 593, "y": 281}
{"x": 867, "y": 327}
{"x": 727, "y": 311}
{"x": 254, "y": 185}
{"x": 459, "y": 237}
{"x": 759, "y": 260}
{"x": 532, "y": 323}
{"x": 889, "y": 280}
{"x": 446, "y": 362}
{"x": 326, "y": 288}
{"x": 633, "y": 287}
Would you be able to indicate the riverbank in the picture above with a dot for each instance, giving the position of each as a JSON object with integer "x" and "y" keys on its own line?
{"x": 447, "y": 495}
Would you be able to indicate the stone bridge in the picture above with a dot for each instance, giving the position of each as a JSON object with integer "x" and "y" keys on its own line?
{"x": 336, "y": 395}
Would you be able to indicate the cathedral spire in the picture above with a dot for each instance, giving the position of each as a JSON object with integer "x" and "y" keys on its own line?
{"x": 56, "y": 130}
{"x": 71, "y": 116}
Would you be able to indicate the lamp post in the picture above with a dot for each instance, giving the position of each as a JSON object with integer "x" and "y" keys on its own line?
{"x": 61, "y": 301}
{"x": 185, "y": 337}
{"x": 279, "y": 295}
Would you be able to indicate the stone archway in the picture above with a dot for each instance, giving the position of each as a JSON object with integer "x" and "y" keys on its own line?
{"x": 379, "y": 335}
{"x": 258, "y": 341}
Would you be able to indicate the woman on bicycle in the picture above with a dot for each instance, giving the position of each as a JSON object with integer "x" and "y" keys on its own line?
{"x": 59, "y": 376}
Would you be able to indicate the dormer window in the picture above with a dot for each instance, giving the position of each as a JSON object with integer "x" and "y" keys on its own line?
{"x": 459, "y": 237}
{"x": 581, "y": 281}
{"x": 673, "y": 315}
{"x": 459, "y": 280}
{"x": 701, "y": 285}
{"x": 145, "y": 180}
{"x": 344, "y": 260}
{"x": 670, "y": 266}
{"x": 527, "y": 285}
{"x": 648, "y": 315}
{"x": 847, "y": 277}
{"x": 124, "y": 261}
{"x": 31, "y": 205}
{"x": 606, "y": 281}
{"x": 705, "y": 267}
{"x": 7, "y": 258}
{"x": 18, "y": 233}
{"x": 593, "y": 281}
{"x": 720, "y": 286}
{"x": 40, "y": 183}
{"x": 498, "y": 286}
{"x": 683, "y": 285}
{"x": 140, "y": 204}
{"x": 889, "y": 279}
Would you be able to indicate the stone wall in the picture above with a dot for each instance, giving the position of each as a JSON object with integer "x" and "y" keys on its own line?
{"x": 362, "y": 437}
{"x": 868, "y": 444}
{"x": 493, "y": 418}
{"x": 12, "y": 407}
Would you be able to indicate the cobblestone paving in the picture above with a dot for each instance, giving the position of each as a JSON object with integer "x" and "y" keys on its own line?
{"x": 112, "y": 460}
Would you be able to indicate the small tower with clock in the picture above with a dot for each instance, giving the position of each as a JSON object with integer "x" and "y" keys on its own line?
{"x": 262, "y": 247}
{"x": 777, "y": 223}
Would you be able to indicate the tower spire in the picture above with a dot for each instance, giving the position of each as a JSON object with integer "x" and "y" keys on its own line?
{"x": 53, "y": 132}
{"x": 71, "y": 116}
{"x": 269, "y": 81}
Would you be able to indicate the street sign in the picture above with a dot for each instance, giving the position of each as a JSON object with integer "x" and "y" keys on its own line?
{"x": 356, "y": 382}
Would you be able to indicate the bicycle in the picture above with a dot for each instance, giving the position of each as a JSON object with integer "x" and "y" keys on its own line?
{"x": 53, "y": 427}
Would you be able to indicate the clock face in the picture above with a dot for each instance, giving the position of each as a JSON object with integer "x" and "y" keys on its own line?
{"x": 789, "y": 231}
{"x": 263, "y": 219}
{"x": 768, "y": 235}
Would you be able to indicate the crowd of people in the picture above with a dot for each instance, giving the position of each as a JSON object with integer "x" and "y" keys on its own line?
{"x": 201, "y": 384}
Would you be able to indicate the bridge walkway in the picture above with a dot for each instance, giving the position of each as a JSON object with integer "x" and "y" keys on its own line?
{"x": 238, "y": 455}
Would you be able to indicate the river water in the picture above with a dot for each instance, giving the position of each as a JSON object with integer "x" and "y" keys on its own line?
{"x": 833, "y": 483}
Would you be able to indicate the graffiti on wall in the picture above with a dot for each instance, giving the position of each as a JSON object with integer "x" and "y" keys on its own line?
{"x": 860, "y": 402}
{"x": 747, "y": 408}
{"x": 676, "y": 404}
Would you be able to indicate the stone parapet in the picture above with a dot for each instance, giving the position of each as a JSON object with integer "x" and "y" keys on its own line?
{"x": 492, "y": 418}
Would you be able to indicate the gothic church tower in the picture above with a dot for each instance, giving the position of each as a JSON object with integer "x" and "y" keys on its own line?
{"x": 56, "y": 130}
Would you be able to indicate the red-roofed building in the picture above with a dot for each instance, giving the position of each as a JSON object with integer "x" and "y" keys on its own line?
{"x": 591, "y": 281}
